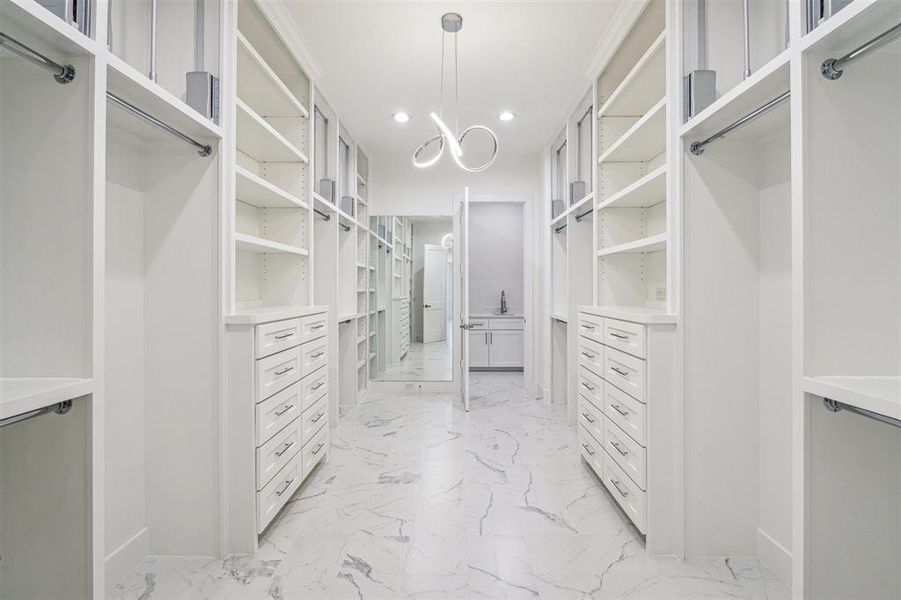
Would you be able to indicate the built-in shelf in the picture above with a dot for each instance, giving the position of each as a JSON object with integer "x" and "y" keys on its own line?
{"x": 654, "y": 243}
{"x": 256, "y": 191}
{"x": 641, "y": 142}
{"x": 767, "y": 83}
{"x": 260, "y": 140}
{"x": 361, "y": 179}
{"x": 361, "y": 200}
{"x": 252, "y": 243}
{"x": 856, "y": 23}
{"x": 46, "y": 31}
{"x": 325, "y": 203}
{"x": 136, "y": 88}
{"x": 345, "y": 218}
{"x": 343, "y": 318}
{"x": 261, "y": 87}
{"x": 647, "y": 191}
{"x": 642, "y": 87}
{"x": 20, "y": 395}
{"x": 361, "y": 364}
{"x": 371, "y": 355}
{"x": 877, "y": 394}
{"x": 559, "y": 317}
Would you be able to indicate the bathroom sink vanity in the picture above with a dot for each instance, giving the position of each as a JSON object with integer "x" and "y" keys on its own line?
{"x": 496, "y": 341}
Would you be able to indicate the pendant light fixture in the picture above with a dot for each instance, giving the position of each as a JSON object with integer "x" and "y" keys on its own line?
{"x": 452, "y": 23}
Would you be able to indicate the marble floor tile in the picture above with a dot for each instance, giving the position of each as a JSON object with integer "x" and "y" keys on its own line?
{"x": 420, "y": 499}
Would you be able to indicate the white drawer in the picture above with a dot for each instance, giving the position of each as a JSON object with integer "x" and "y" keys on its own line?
{"x": 628, "y": 413}
{"x": 625, "y": 336}
{"x": 275, "y": 454}
{"x": 506, "y": 324}
{"x": 591, "y": 418}
{"x": 315, "y": 450}
{"x": 313, "y": 420}
{"x": 630, "y": 457}
{"x": 591, "y": 386}
{"x": 591, "y": 451}
{"x": 273, "y": 497}
{"x": 277, "y": 336}
{"x": 312, "y": 388}
{"x": 313, "y": 355}
{"x": 478, "y": 323}
{"x": 591, "y": 355}
{"x": 313, "y": 327}
{"x": 628, "y": 495}
{"x": 277, "y": 411}
{"x": 275, "y": 373}
{"x": 625, "y": 372}
{"x": 591, "y": 326}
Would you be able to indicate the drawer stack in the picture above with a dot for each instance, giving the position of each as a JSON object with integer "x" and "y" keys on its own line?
{"x": 291, "y": 398}
{"x": 612, "y": 383}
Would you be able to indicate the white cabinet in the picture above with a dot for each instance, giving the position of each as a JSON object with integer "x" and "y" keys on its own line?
{"x": 505, "y": 349}
{"x": 496, "y": 343}
{"x": 478, "y": 349}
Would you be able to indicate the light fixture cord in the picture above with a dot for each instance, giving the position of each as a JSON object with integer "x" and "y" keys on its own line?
{"x": 456, "y": 90}
{"x": 442, "y": 76}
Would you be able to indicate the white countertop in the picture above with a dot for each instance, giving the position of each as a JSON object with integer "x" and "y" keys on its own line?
{"x": 479, "y": 315}
{"x": 267, "y": 314}
{"x": 23, "y": 394}
{"x": 635, "y": 314}
{"x": 877, "y": 394}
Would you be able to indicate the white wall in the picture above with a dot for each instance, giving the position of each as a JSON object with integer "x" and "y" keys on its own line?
{"x": 398, "y": 188}
{"x": 425, "y": 231}
{"x": 495, "y": 256}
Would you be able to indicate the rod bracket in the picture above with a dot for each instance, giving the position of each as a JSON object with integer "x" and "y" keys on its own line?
{"x": 829, "y": 71}
{"x": 696, "y": 148}
{"x": 831, "y": 405}
{"x": 205, "y": 151}
{"x": 66, "y": 76}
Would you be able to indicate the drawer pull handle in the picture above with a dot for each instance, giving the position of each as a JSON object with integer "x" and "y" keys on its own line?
{"x": 284, "y": 336}
{"x": 317, "y": 386}
{"x": 588, "y": 449}
{"x": 319, "y": 447}
{"x": 284, "y": 448}
{"x": 589, "y": 386}
{"x": 283, "y": 371}
{"x": 317, "y": 355}
{"x": 587, "y": 354}
{"x": 285, "y": 486}
{"x": 621, "y": 491}
{"x": 317, "y": 417}
{"x": 284, "y": 409}
{"x": 619, "y": 449}
{"x": 587, "y": 326}
{"x": 619, "y": 336}
{"x": 619, "y": 372}
{"x": 618, "y": 409}
{"x": 588, "y": 417}
{"x": 320, "y": 326}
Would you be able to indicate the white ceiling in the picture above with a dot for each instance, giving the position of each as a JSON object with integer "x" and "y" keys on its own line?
{"x": 379, "y": 57}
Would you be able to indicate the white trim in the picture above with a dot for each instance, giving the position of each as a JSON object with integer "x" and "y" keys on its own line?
{"x": 282, "y": 21}
{"x": 775, "y": 556}
{"x": 124, "y": 558}
{"x": 620, "y": 25}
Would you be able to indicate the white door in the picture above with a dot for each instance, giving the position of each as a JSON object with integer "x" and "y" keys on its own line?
{"x": 505, "y": 349}
{"x": 434, "y": 294}
{"x": 478, "y": 348}
{"x": 464, "y": 295}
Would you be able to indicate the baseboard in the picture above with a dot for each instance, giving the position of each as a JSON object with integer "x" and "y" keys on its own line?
{"x": 775, "y": 556}
{"x": 431, "y": 387}
{"x": 124, "y": 558}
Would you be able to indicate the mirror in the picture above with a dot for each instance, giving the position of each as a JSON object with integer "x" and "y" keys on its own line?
{"x": 414, "y": 275}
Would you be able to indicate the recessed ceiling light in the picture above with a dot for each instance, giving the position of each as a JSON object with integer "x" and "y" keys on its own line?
{"x": 401, "y": 117}
{"x": 506, "y": 116}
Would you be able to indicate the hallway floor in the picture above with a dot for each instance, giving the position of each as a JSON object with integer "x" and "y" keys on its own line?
{"x": 419, "y": 499}
{"x": 424, "y": 362}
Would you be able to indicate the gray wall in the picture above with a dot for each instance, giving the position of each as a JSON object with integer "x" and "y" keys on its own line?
{"x": 495, "y": 256}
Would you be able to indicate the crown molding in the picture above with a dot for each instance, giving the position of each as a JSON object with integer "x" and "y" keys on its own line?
{"x": 285, "y": 26}
{"x": 622, "y": 22}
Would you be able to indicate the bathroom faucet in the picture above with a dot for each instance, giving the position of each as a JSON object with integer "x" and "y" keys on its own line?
{"x": 503, "y": 303}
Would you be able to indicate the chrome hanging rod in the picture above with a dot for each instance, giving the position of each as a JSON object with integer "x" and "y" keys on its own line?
{"x": 559, "y": 228}
{"x": 836, "y": 406}
{"x": 61, "y": 73}
{"x": 60, "y": 408}
{"x": 697, "y": 148}
{"x": 344, "y": 227}
{"x": 832, "y": 68}
{"x": 202, "y": 149}
{"x": 325, "y": 217}
{"x": 583, "y": 215}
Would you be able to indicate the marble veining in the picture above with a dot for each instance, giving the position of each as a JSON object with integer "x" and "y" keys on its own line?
{"x": 420, "y": 499}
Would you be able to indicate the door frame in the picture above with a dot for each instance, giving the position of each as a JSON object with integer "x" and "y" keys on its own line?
{"x": 427, "y": 248}
{"x": 530, "y": 256}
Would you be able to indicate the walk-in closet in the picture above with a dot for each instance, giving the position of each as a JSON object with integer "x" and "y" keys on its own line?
{"x": 404, "y": 299}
